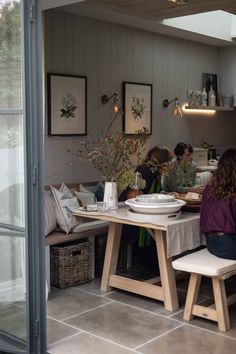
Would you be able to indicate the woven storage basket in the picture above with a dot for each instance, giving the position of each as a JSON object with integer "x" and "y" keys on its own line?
{"x": 70, "y": 264}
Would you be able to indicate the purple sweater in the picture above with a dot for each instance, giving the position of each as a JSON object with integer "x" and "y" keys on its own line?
{"x": 217, "y": 215}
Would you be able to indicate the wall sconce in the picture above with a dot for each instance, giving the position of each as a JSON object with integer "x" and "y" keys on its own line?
{"x": 116, "y": 106}
{"x": 176, "y": 108}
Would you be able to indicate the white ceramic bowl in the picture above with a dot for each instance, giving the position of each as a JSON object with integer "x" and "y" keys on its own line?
{"x": 155, "y": 198}
{"x": 152, "y": 219}
{"x": 166, "y": 208}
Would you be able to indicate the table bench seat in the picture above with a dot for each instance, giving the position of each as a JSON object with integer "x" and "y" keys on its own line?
{"x": 203, "y": 263}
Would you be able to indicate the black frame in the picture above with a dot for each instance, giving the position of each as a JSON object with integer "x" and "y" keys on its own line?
{"x": 49, "y": 95}
{"x": 125, "y": 85}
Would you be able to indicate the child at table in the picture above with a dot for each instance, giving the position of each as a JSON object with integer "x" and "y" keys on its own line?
{"x": 218, "y": 208}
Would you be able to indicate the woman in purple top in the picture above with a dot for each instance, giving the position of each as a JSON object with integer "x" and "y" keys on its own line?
{"x": 218, "y": 208}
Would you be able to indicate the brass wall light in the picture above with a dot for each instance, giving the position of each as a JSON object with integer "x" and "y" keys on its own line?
{"x": 116, "y": 106}
{"x": 176, "y": 108}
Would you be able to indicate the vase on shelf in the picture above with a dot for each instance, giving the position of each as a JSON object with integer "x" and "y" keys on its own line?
{"x": 110, "y": 195}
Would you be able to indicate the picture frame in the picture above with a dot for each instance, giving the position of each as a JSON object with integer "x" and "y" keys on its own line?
{"x": 137, "y": 108}
{"x": 67, "y": 105}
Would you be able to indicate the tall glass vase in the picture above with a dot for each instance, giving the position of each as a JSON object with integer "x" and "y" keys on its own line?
{"x": 110, "y": 195}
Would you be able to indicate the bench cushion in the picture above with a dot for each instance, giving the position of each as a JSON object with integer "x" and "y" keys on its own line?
{"x": 93, "y": 228}
{"x": 205, "y": 263}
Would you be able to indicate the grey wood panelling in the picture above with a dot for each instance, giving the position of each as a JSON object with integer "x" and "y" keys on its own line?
{"x": 108, "y": 54}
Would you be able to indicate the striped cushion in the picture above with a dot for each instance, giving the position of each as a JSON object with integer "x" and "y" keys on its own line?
{"x": 50, "y": 215}
{"x": 65, "y": 202}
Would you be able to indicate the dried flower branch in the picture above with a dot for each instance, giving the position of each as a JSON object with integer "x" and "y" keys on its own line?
{"x": 114, "y": 153}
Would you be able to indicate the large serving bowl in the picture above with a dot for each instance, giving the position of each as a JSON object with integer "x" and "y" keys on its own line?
{"x": 155, "y": 208}
{"x": 155, "y": 198}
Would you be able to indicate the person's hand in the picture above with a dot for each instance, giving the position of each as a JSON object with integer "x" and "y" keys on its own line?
{"x": 198, "y": 190}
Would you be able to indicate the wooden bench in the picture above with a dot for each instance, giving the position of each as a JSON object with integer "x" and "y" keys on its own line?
{"x": 203, "y": 263}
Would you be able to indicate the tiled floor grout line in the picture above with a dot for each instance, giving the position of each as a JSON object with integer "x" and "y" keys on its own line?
{"x": 61, "y": 322}
{"x": 109, "y": 341}
{"x": 63, "y": 339}
{"x": 161, "y": 335}
{"x": 81, "y": 331}
{"x": 86, "y": 311}
{"x": 91, "y": 293}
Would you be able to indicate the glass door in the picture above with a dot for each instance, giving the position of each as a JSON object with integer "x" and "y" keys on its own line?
{"x": 22, "y": 285}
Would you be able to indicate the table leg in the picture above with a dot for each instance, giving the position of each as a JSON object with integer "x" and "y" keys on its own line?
{"x": 166, "y": 272}
{"x": 111, "y": 255}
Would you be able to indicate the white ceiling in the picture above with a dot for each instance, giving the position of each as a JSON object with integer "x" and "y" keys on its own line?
{"x": 133, "y": 13}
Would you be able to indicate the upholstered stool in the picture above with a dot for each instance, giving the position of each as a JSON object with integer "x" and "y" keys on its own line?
{"x": 203, "y": 263}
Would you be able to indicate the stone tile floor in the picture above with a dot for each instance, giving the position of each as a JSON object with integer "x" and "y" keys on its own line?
{"x": 82, "y": 320}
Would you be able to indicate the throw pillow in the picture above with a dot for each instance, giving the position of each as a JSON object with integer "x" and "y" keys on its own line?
{"x": 50, "y": 214}
{"x": 84, "y": 196}
{"x": 65, "y": 202}
{"x": 98, "y": 190}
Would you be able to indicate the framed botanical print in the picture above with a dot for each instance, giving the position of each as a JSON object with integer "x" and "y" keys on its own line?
{"x": 137, "y": 108}
{"x": 67, "y": 105}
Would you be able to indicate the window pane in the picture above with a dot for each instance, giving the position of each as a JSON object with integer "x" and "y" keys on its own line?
{"x": 10, "y": 55}
{"x": 12, "y": 284}
{"x": 12, "y": 171}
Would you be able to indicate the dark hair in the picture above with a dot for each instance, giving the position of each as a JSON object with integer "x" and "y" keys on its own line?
{"x": 224, "y": 179}
{"x": 179, "y": 150}
{"x": 159, "y": 153}
{"x": 190, "y": 148}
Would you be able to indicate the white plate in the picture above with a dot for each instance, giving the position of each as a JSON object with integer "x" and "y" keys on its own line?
{"x": 166, "y": 208}
{"x": 154, "y": 198}
{"x": 207, "y": 168}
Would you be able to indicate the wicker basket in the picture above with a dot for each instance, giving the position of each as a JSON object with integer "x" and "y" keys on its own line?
{"x": 70, "y": 264}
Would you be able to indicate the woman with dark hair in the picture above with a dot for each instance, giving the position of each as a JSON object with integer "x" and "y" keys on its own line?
{"x": 218, "y": 208}
{"x": 151, "y": 169}
{"x": 144, "y": 248}
{"x": 182, "y": 175}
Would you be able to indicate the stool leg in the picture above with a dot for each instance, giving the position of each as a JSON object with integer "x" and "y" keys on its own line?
{"x": 221, "y": 304}
{"x": 192, "y": 295}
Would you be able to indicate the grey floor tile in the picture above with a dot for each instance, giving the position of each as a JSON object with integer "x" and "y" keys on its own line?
{"x": 86, "y": 344}
{"x": 10, "y": 309}
{"x": 189, "y": 340}
{"x": 14, "y": 325}
{"x": 92, "y": 287}
{"x": 57, "y": 331}
{"x": 69, "y": 302}
{"x": 123, "y": 324}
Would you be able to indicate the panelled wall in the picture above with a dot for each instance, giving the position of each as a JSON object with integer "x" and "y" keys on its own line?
{"x": 109, "y": 54}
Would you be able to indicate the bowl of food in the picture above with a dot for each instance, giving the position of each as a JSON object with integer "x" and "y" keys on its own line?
{"x": 190, "y": 198}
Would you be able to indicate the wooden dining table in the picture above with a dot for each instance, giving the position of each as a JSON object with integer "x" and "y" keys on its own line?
{"x": 162, "y": 230}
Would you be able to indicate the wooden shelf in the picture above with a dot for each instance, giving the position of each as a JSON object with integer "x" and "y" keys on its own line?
{"x": 215, "y": 108}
